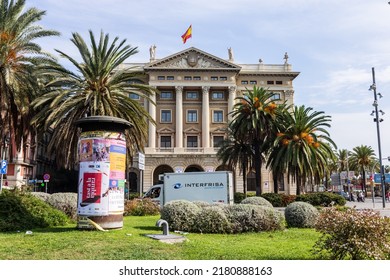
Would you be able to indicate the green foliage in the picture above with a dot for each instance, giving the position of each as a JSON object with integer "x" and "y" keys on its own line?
{"x": 279, "y": 199}
{"x": 211, "y": 219}
{"x": 141, "y": 207}
{"x": 180, "y": 214}
{"x": 134, "y": 196}
{"x": 325, "y": 199}
{"x": 257, "y": 200}
{"x": 238, "y": 197}
{"x": 301, "y": 215}
{"x": 352, "y": 234}
{"x": 20, "y": 211}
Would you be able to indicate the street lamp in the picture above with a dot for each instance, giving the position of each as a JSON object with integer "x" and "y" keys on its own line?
{"x": 378, "y": 120}
{"x": 6, "y": 141}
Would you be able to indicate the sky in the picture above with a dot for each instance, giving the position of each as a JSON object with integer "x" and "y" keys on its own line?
{"x": 334, "y": 44}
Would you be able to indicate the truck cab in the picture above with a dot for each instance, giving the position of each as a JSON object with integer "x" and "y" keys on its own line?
{"x": 155, "y": 194}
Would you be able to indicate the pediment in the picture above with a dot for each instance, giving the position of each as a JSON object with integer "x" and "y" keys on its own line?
{"x": 165, "y": 130}
{"x": 192, "y": 130}
{"x": 192, "y": 59}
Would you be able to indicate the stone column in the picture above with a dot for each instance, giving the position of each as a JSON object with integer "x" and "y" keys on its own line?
{"x": 205, "y": 118}
{"x": 152, "y": 128}
{"x": 179, "y": 117}
{"x": 231, "y": 100}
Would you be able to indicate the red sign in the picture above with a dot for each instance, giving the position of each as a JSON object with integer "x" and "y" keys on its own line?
{"x": 46, "y": 176}
{"x": 92, "y": 183}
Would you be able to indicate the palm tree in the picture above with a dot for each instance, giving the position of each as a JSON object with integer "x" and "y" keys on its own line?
{"x": 302, "y": 146}
{"x": 253, "y": 119}
{"x": 20, "y": 56}
{"x": 98, "y": 88}
{"x": 361, "y": 158}
{"x": 236, "y": 153}
{"x": 342, "y": 158}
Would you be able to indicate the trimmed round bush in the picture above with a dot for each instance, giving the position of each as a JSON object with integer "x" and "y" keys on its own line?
{"x": 212, "y": 219}
{"x": 301, "y": 215}
{"x": 254, "y": 218}
{"x": 180, "y": 214}
{"x": 201, "y": 204}
{"x": 257, "y": 200}
{"x": 65, "y": 202}
{"x": 41, "y": 195}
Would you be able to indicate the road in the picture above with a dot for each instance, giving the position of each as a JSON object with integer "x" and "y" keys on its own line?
{"x": 376, "y": 205}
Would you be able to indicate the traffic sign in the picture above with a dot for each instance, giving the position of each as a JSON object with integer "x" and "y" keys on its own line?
{"x": 46, "y": 177}
{"x": 3, "y": 168}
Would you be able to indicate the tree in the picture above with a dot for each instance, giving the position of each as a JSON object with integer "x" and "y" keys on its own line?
{"x": 20, "y": 56}
{"x": 253, "y": 119}
{"x": 236, "y": 153}
{"x": 99, "y": 88}
{"x": 361, "y": 158}
{"x": 302, "y": 146}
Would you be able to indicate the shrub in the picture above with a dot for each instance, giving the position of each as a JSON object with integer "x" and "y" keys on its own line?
{"x": 301, "y": 215}
{"x": 65, "y": 202}
{"x": 322, "y": 199}
{"x": 257, "y": 200}
{"x": 238, "y": 197}
{"x": 201, "y": 204}
{"x": 253, "y": 218}
{"x": 352, "y": 234}
{"x": 141, "y": 207}
{"x": 274, "y": 198}
{"x": 41, "y": 195}
{"x": 211, "y": 219}
{"x": 20, "y": 211}
{"x": 180, "y": 214}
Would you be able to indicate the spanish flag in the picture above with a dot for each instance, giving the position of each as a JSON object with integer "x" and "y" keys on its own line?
{"x": 187, "y": 34}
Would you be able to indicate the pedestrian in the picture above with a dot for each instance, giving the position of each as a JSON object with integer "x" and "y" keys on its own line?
{"x": 387, "y": 196}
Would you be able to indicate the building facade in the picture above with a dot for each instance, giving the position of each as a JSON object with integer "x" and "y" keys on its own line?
{"x": 197, "y": 91}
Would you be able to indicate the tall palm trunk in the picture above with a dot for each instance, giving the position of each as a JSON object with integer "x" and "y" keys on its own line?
{"x": 257, "y": 161}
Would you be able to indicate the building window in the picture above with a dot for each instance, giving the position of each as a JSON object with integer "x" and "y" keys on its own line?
{"x": 276, "y": 96}
{"x": 223, "y": 78}
{"x": 192, "y": 141}
{"x": 253, "y": 82}
{"x": 187, "y": 78}
{"x": 270, "y": 82}
{"x": 217, "y": 95}
{"x": 166, "y": 95}
{"x": 218, "y": 116}
{"x": 165, "y": 142}
{"x": 197, "y": 78}
{"x": 192, "y": 116}
{"x": 170, "y": 78}
{"x": 214, "y": 78}
{"x": 244, "y": 82}
{"x": 279, "y": 82}
{"x": 192, "y": 95}
{"x": 217, "y": 141}
{"x": 134, "y": 96}
{"x": 160, "y": 78}
{"x": 166, "y": 116}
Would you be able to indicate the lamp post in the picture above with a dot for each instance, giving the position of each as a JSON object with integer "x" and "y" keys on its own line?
{"x": 6, "y": 141}
{"x": 378, "y": 120}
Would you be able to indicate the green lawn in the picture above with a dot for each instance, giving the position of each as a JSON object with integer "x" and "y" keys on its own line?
{"x": 130, "y": 243}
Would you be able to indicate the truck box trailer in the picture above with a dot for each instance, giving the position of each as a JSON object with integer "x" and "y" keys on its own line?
{"x": 211, "y": 187}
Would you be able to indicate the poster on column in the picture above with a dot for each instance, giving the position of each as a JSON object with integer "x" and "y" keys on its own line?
{"x": 103, "y": 153}
{"x": 93, "y": 189}
{"x": 117, "y": 175}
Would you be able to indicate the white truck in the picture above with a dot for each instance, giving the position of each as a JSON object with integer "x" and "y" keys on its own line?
{"x": 211, "y": 187}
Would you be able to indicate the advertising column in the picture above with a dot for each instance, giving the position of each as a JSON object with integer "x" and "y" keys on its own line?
{"x": 102, "y": 169}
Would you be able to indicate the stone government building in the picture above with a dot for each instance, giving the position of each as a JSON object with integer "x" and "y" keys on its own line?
{"x": 197, "y": 91}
